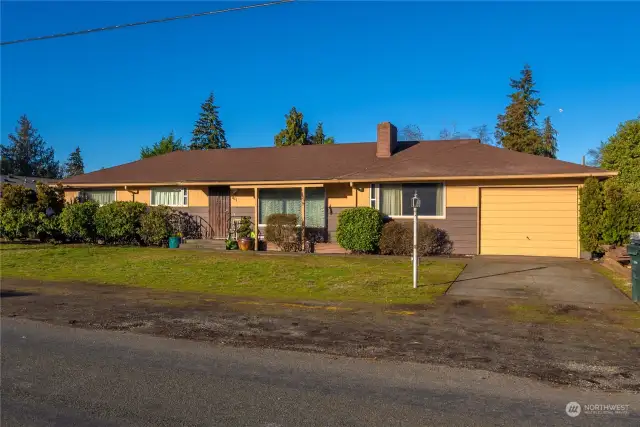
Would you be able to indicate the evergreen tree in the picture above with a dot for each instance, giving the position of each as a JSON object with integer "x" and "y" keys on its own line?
{"x": 622, "y": 153}
{"x": 549, "y": 146}
{"x": 75, "y": 164}
{"x": 296, "y": 131}
{"x": 517, "y": 127}
{"x": 27, "y": 154}
{"x": 319, "y": 137}
{"x": 208, "y": 132}
{"x": 166, "y": 145}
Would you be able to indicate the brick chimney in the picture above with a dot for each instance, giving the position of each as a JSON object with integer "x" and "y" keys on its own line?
{"x": 387, "y": 139}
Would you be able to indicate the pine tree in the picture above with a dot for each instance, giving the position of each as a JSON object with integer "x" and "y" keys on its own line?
{"x": 167, "y": 144}
{"x": 319, "y": 137}
{"x": 549, "y": 146}
{"x": 208, "y": 133}
{"x": 517, "y": 127}
{"x": 27, "y": 154}
{"x": 75, "y": 164}
{"x": 296, "y": 131}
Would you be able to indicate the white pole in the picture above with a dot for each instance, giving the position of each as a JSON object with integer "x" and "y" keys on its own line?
{"x": 415, "y": 247}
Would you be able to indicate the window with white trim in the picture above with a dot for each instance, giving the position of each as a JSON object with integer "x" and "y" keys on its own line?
{"x": 102, "y": 197}
{"x": 394, "y": 200}
{"x": 169, "y": 196}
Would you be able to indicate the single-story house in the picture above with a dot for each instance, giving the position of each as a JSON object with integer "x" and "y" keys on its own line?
{"x": 490, "y": 200}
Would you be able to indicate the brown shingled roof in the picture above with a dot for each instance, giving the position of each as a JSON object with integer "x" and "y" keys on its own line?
{"x": 343, "y": 162}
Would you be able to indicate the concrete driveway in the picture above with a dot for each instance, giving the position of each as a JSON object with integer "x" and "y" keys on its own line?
{"x": 557, "y": 280}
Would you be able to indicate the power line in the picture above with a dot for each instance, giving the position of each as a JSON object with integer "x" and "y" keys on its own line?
{"x": 137, "y": 24}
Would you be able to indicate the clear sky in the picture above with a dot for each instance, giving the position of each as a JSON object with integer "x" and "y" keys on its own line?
{"x": 348, "y": 64}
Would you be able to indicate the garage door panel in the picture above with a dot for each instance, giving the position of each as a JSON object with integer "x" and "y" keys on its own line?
{"x": 529, "y": 221}
{"x": 523, "y": 222}
{"x": 529, "y": 213}
{"x": 552, "y": 252}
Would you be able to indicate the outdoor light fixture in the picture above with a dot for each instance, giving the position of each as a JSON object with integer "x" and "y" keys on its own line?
{"x": 415, "y": 204}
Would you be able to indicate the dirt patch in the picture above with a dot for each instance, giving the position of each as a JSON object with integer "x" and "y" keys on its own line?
{"x": 559, "y": 344}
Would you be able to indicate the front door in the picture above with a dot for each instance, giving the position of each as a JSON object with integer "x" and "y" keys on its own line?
{"x": 219, "y": 211}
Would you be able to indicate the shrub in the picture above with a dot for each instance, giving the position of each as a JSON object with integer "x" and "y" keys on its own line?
{"x": 359, "y": 229}
{"x": 591, "y": 210}
{"x": 18, "y": 197}
{"x": 283, "y": 231}
{"x": 49, "y": 199}
{"x": 49, "y": 228}
{"x": 17, "y": 223}
{"x": 77, "y": 221}
{"x": 119, "y": 222}
{"x": 155, "y": 225}
{"x": 245, "y": 229}
{"x": 231, "y": 245}
{"x": 397, "y": 239}
{"x": 621, "y": 215}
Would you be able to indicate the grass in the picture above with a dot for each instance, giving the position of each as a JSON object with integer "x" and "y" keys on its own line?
{"x": 325, "y": 278}
{"x": 618, "y": 281}
{"x": 530, "y": 313}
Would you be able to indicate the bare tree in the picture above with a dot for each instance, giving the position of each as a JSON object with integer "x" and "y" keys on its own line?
{"x": 411, "y": 133}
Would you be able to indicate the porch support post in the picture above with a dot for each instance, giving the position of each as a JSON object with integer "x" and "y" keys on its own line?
{"x": 255, "y": 218}
{"x": 302, "y": 221}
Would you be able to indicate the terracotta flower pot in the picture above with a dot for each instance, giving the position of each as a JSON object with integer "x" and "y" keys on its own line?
{"x": 245, "y": 243}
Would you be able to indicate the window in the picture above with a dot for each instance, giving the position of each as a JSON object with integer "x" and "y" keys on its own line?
{"x": 101, "y": 196}
{"x": 314, "y": 208}
{"x": 395, "y": 199}
{"x": 279, "y": 201}
{"x": 289, "y": 201}
{"x": 169, "y": 196}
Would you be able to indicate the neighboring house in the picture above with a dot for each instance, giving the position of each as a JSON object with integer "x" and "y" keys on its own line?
{"x": 490, "y": 200}
{"x": 27, "y": 181}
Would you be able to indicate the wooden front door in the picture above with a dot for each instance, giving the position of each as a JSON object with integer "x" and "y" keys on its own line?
{"x": 219, "y": 211}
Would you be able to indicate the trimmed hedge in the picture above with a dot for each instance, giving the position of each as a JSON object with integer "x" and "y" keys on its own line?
{"x": 119, "y": 222}
{"x": 283, "y": 231}
{"x": 591, "y": 210}
{"x": 397, "y": 239}
{"x": 155, "y": 226}
{"x": 359, "y": 229}
{"x": 78, "y": 221}
{"x": 621, "y": 213}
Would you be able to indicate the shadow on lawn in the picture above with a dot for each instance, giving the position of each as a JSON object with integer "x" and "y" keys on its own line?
{"x": 12, "y": 293}
{"x": 484, "y": 277}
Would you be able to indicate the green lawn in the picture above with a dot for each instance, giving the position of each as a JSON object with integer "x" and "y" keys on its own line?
{"x": 328, "y": 278}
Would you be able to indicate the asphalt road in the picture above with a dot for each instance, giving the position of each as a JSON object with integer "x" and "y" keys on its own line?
{"x": 64, "y": 376}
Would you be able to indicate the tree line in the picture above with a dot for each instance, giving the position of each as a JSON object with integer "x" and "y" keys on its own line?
{"x": 516, "y": 129}
{"x": 208, "y": 133}
{"x": 27, "y": 154}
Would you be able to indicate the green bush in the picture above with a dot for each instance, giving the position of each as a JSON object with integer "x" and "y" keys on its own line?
{"x": 245, "y": 229}
{"x": 397, "y": 239}
{"x": 231, "y": 245}
{"x": 77, "y": 221}
{"x": 359, "y": 229}
{"x": 16, "y": 223}
{"x": 119, "y": 222}
{"x": 621, "y": 213}
{"x": 282, "y": 230}
{"x": 155, "y": 226}
{"x": 591, "y": 210}
{"x": 49, "y": 228}
{"x": 49, "y": 198}
{"x": 18, "y": 197}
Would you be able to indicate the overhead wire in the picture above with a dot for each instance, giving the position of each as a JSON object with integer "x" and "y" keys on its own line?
{"x": 137, "y": 24}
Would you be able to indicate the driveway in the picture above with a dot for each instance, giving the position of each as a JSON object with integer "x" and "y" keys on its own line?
{"x": 557, "y": 280}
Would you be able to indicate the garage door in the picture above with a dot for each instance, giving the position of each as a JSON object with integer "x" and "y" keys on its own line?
{"x": 540, "y": 221}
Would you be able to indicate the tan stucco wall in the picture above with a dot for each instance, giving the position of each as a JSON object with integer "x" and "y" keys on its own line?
{"x": 340, "y": 195}
{"x": 242, "y": 198}
{"x": 461, "y": 196}
{"x": 70, "y": 195}
{"x": 198, "y": 196}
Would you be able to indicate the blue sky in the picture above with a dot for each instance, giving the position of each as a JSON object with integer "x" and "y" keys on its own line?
{"x": 348, "y": 64}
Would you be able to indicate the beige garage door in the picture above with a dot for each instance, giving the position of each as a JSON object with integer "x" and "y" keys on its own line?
{"x": 540, "y": 221}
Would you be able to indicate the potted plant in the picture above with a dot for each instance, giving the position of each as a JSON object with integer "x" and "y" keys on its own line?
{"x": 231, "y": 245}
{"x": 174, "y": 240}
{"x": 245, "y": 234}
